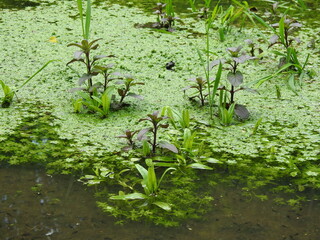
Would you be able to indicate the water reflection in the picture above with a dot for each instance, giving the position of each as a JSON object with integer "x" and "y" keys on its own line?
{"x": 36, "y": 206}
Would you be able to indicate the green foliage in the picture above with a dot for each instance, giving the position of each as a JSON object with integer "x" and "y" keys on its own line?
{"x": 85, "y": 49}
{"x": 165, "y": 15}
{"x": 235, "y": 78}
{"x": 226, "y": 115}
{"x": 210, "y": 85}
{"x": 289, "y": 61}
{"x": 8, "y": 95}
{"x": 155, "y": 120}
{"x": 35, "y": 141}
{"x": 94, "y": 103}
{"x": 150, "y": 185}
{"x": 125, "y": 91}
{"x": 175, "y": 202}
{"x": 85, "y": 24}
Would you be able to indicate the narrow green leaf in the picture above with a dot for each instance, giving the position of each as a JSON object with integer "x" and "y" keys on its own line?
{"x": 79, "y": 2}
{"x": 88, "y": 20}
{"x": 46, "y": 64}
{"x": 281, "y": 31}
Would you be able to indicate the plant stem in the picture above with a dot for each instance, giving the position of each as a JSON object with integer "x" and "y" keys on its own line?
{"x": 89, "y": 70}
{"x": 155, "y": 128}
{"x": 232, "y": 95}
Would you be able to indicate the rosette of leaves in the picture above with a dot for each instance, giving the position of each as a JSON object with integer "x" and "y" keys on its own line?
{"x": 235, "y": 78}
{"x": 84, "y": 56}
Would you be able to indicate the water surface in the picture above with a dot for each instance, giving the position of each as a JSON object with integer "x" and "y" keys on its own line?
{"x": 34, "y": 206}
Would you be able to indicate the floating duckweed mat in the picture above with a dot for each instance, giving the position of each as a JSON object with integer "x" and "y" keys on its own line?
{"x": 284, "y": 149}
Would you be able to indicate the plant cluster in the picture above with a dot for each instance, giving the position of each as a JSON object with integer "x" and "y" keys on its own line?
{"x": 165, "y": 15}
{"x": 97, "y": 97}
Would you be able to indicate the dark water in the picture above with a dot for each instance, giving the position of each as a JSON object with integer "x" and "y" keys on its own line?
{"x": 36, "y": 206}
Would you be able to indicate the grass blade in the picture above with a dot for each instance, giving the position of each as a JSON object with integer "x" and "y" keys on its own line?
{"x": 79, "y": 3}
{"x": 46, "y": 64}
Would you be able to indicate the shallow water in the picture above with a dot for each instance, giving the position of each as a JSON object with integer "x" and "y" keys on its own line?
{"x": 34, "y": 205}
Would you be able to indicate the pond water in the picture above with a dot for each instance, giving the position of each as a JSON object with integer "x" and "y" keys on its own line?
{"x": 34, "y": 205}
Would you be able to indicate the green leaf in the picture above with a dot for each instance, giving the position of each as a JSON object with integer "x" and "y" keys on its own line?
{"x": 163, "y": 205}
{"x": 199, "y": 166}
{"x": 45, "y": 65}
{"x": 79, "y": 3}
{"x": 88, "y": 20}
{"x": 151, "y": 180}
{"x": 131, "y": 196}
{"x": 282, "y": 30}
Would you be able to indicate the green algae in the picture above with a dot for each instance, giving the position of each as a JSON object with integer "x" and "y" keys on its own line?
{"x": 285, "y": 146}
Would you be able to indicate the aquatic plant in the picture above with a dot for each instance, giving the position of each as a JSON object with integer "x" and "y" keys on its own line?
{"x": 165, "y": 15}
{"x": 85, "y": 21}
{"x": 211, "y": 85}
{"x": 8, "y": 95}
{"x": 128, "y": 82}
{"x": 107, "y": 76}
{"x": 226, "y": 114}
{"x": 200, "y": 85}
{"x": 253, "y": 48}
{"x": 94, "y": 103}
{"x": 176, "y": 119}
{"x": 235, "y": 78}
{"x": 150, "y": 185}
{"x": 129, "y": 136}
{"x": 289, "y": 61}
{"x": 85, "y": 49}
{"x": 155, "y": 120}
